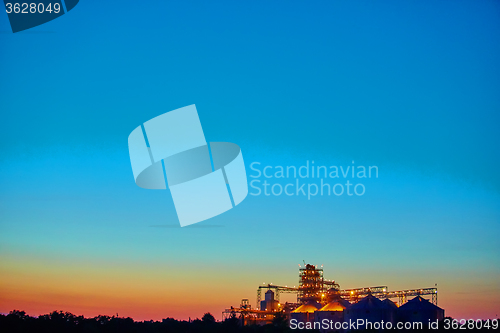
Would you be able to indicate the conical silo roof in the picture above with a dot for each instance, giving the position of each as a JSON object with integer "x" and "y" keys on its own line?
{"x": 368, "y": 302}
{"x": 308, "y": 307}
{"x": 390, "y": 304}
{"x": 333, "y": 306}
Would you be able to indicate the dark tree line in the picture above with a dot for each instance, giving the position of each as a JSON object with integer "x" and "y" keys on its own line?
{"x": 66, "y": 322}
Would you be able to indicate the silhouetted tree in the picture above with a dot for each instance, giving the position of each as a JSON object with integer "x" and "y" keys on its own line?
{"x": 208, "y": 318}
{"x": 19, "y": 314}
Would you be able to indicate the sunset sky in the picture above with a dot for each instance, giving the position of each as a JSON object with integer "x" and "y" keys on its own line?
{"x": 410, "y": 87}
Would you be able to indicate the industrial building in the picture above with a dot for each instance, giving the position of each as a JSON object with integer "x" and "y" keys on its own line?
{"x": 319, "y": 299}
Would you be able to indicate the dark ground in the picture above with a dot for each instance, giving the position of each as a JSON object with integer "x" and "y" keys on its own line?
{"x": 65, "y": 322}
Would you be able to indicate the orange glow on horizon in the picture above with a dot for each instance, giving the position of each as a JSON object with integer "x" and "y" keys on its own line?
{"x": 145, "y": 291}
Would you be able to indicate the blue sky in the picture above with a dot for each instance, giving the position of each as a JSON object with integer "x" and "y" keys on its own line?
{"x": 411, "y": 87}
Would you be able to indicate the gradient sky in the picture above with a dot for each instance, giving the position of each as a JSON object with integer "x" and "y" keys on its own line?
{"x": 409, "y": 86}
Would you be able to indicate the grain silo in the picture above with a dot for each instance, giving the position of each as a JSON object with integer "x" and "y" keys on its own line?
{"x": 420, "y": 310}
{"x": 305, "y": 312}
{"x": 333, "y": 312}
{"x": 371, "y": 309}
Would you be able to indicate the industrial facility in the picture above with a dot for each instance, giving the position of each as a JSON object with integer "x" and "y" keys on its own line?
{"x": 319, "y": 299}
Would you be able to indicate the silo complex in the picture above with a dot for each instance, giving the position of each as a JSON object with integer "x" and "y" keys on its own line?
{"x": 321, "y": 301}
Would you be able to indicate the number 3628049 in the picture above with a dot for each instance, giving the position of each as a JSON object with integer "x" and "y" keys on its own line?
{"x": 32, "y": 8}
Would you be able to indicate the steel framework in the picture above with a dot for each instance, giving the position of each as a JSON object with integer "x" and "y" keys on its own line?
{"x": 311, "y": 283}
{"x": 354, "y": 294}
{"x": 402, "y": 295}
{"x": 312, "y": 286}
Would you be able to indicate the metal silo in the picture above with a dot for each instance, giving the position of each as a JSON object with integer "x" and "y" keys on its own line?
{"x": 371, "y": 309}
{"x": 420, "y": 310}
